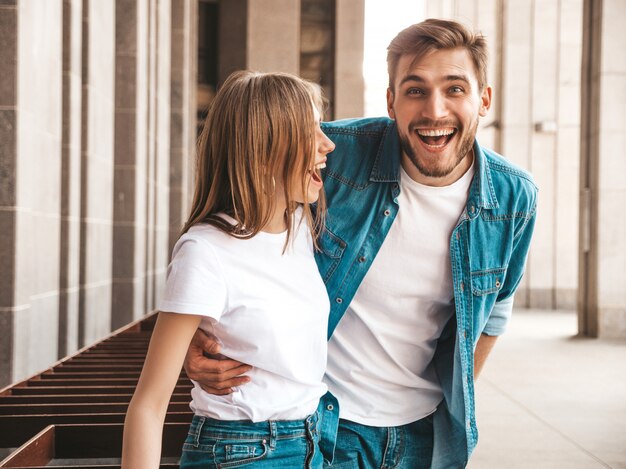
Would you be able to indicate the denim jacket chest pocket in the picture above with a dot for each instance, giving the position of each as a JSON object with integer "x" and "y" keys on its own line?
{"x": 332, "y": 248}
{"x": 486, "y": 282}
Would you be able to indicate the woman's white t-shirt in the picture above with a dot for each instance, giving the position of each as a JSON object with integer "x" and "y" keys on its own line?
{"x": 268, "y": 309}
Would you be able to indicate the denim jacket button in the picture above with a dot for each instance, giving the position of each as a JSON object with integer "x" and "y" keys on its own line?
{"x": 362, "y": 259}
{"x": 339, "y": 300}
{"x": 387, "y": 212}
{"x": 330, "y": 407}
{"x": 472, "y": 209}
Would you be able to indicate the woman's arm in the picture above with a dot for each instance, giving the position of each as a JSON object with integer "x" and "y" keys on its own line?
{"x": 143, "y": 427}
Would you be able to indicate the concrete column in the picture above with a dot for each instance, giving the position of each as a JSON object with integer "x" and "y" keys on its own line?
{"x": 128, "y": 301}
{"x": 69, "y": 274}
{"x": 149, "y": 214}
{"x": 162, "y": 154}
{"x": 349, "y": 38}
{"x": 182, "y": 113}
{"x": 602, "y": 299}
{"x": 30, "y": 156}
{"x": 97, "y": 169}
{"x": 8, "y": 168}
{"x": 567, "y": 168}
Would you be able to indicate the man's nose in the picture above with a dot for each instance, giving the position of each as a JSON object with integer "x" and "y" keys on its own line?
{"x": 435, "y": 107}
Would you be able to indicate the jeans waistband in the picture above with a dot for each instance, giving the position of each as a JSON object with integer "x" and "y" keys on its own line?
{"x": 246, "y": 429}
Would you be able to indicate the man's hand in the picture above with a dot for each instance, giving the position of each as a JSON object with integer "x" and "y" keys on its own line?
{"x": 215, "y": 373}
{"x": 483, "y": 349}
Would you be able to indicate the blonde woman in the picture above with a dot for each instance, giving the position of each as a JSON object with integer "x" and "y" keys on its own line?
{"x": 244, "y": 271}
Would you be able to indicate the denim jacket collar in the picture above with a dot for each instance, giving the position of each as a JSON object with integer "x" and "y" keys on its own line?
{"x": 385, "y": 169}
{"x": 481, "y": 193}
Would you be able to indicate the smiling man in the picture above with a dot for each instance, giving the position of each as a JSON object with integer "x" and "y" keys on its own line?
{"x": 426, "y": 239}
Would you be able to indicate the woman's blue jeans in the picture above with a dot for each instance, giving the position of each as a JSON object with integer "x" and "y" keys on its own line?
{"x": 242, "y": 443}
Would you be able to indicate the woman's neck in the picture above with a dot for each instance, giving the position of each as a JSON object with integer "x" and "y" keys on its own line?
{"x": 277, "y": 223}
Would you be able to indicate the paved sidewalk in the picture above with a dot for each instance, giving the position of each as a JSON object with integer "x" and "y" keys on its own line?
{"x": 549, "y": 400}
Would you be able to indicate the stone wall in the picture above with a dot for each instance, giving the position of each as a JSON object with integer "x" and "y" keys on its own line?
{"x": 88, "y": 94}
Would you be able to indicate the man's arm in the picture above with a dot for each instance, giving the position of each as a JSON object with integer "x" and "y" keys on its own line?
{"x": 483, "y": 349}
{"x": 216, "y": 374}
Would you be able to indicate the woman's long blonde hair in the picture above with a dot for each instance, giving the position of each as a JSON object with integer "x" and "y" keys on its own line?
{"x": 259, "y": 126}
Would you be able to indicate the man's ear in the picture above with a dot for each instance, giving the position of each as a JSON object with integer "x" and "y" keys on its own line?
{"x": 485, "y": 101}
{"x": 390, "y": 110}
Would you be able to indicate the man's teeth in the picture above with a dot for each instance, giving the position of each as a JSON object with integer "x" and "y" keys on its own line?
{"x": 319, "y": 166}
{"x": 434, "y": 132}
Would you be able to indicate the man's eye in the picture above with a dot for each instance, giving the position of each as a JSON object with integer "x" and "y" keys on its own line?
{"x": 456, "y": 89}
{"x": 414, "y": 92}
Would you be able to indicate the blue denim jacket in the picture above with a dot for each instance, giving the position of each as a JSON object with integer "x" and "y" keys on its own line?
{"x": 488, "y": 250}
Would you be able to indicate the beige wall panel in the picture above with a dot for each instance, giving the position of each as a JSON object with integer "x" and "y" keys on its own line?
{"x": 98, "y": 164}
{"x": 138, "y": 304}
{"x": 151, "y": 150}
{"x": 544, "y": 85}
{"x": 35, "y": 336}
{"x": 274, "y": 38}
{"x": 612, "y": 262}
{"x": 69, "y": 281}
{"x": 440, "y": 8}
{"x": 38, "y": 165}
{"x": 540, "y": 268}
{"x": 465, "y": 12}
{"x": 613, "y": 162}
{"x": 545, "y": 77}
{"x": 515, "y": 144}
{"x": 349, "y": 84}
{"x": 611, "y": 275}
{"x": 566, "y": 217}
{"x": 613, "y": 37}
{"x": 8, "y": 161}
{"x": 162, "y": 178}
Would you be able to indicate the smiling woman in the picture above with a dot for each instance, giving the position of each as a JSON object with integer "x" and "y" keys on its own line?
{"x": 243, "y": 264}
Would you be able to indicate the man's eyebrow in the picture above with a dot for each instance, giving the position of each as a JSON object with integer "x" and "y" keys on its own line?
{"x": 419, "y": 79}
{"x": 463, "y": 78}
{"x": 416, "y": 78}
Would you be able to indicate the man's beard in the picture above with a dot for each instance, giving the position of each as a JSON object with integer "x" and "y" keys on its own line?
{"x": 438, "y": 172}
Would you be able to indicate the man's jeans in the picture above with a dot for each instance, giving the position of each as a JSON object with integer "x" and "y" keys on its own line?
{"x": 363, "y": 447}
{"x": 274, "y": 444}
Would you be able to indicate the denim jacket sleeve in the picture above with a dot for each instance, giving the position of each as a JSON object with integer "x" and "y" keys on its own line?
{"x": 501, "y": 312}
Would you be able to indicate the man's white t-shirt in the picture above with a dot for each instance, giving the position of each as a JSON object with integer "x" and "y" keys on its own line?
{"x": 268, "y": 309}
{"x": 380, "y": 355}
